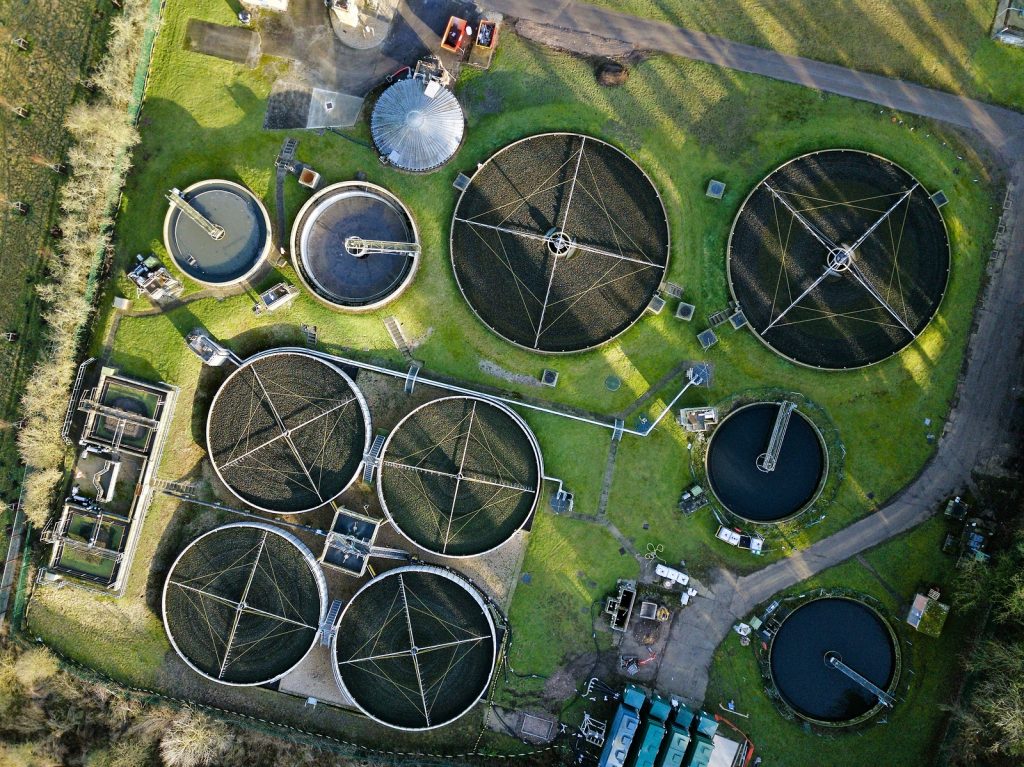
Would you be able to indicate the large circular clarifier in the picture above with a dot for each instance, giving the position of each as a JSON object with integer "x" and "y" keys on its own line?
{"x": 329, "y": 246}
{"x": 736, "y": 464}
{"x": 415, "y": 648}
{"x": 559, "y": 242}
{"x": 243, "y": 603}
{"x": 222, "y": 237}
{"x": 287, "y": 432}
{"x": 801, "y": 653}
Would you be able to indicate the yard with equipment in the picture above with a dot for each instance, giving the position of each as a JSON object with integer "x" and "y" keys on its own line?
{"x": 626, "y": 162}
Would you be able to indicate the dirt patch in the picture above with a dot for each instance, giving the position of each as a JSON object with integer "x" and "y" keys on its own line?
{"x": 496, "y": 370}
{"x": 489, "y": 101}
{"x": 232, "y": 43}
{"x": 611, "y": 74}
{"x": 573, "y": 41}
{"x": 564, "y": 683}
{"x": 288, "y": 106}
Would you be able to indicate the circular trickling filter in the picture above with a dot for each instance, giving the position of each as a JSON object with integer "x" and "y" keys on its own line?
{"x": 559, "y": 242}
{"x": 459, "y": 476}
{"x": 838, "y": 259}
{"x": 243, "y": 603}
{"x": 415, "y": 648}
{"x": 287, "y": 432}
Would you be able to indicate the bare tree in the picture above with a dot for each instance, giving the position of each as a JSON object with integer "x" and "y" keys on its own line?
{"x": 103, "y": 137}
{"x": 194, "y": 740}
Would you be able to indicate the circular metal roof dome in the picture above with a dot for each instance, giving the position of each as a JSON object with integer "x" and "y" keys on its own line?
{"x": 417, "y": 125}
{"x": 324, "y": 260}
{"x": 415, "y": 648}
{"x": 287, "y": 432}
{"x": 243, "y": 603}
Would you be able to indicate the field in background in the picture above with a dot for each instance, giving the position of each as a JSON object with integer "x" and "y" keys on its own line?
{"x": 684, "y": 123}
{"x": 946, "y": 44}
{"x": 63, "y": 37}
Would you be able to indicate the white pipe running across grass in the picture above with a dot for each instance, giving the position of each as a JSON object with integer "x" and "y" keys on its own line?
{"x": 695, "y": 380}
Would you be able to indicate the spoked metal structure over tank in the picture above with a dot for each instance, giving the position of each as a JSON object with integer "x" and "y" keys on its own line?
{"x": 559, "y": 242}
{"x": 244, "y": 603}
{"x": 460, "y": 476}
{"x": 415, "y": 647}
{"x": 287, "y": 432}
{"x": 838, "y": 259}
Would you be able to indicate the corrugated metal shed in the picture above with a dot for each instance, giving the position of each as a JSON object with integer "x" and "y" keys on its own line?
{"x": 417, "y": 125}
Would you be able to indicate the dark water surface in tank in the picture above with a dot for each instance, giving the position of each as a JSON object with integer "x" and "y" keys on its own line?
{"x": 345, "y": 279}
{"x": 754, "y": 494}
{"x": 835, "y": 625}
{"x": 230, "y": 257}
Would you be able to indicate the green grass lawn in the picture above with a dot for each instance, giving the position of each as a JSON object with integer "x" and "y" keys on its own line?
{"x": 87, "y": 563}
{"x": 571, "y": 565}
{"x": 906, "y": 564}
{"x": 945, "y": 44}
{"x": 684, "y": 123}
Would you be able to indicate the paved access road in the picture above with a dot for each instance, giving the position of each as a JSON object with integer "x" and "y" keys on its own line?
{"x": 978, "y": 428}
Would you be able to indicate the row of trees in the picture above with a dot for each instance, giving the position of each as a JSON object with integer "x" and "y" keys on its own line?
{"x": 103, "y": 134}
{"x": 51, "y": 718}
{"x": 989, "y": 721}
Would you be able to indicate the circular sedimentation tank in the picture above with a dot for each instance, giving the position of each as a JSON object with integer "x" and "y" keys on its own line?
{"x": 838, "y": 259}
{"x": 841, "y": 628}
{"x": 236, "y": 246}
{"x": 735, "y": 464}
{"x": 326, "y": 249}
{"x": 417, "y": 125}
{"x": 559, "y": 242}
{"x": 242, "y": 604}
{"x": 415, "y": 648}
{"x": 287, "y": 432}
{"x": 459, "y": 476}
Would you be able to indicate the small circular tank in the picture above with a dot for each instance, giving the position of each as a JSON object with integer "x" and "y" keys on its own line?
{"x": 218, "y": 234}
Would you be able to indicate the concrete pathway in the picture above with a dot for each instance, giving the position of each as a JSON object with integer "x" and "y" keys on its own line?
{"x": 977, "y": 431}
